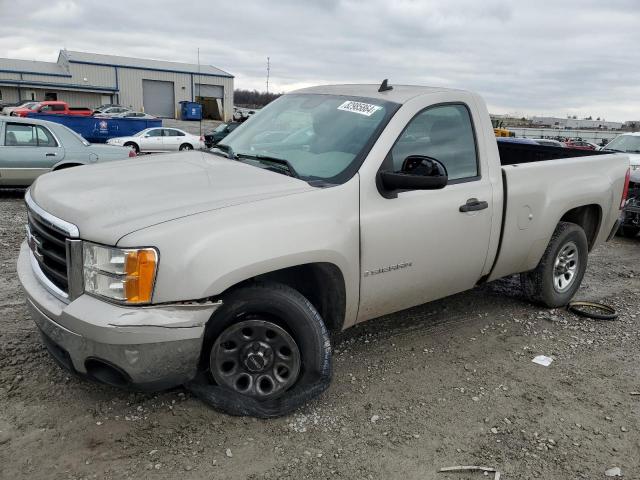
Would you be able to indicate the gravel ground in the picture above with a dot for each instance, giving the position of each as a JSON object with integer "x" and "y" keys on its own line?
{"x": 447, "y": 383}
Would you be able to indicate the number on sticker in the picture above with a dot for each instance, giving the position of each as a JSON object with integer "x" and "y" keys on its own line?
{"x": 359, "y": 107}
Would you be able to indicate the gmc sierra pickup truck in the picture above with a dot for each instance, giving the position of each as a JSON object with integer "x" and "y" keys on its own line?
{"x": 228, "y": 269}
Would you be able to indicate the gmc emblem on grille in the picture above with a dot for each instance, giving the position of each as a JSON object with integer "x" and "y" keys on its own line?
{"x": 34, "y": 245}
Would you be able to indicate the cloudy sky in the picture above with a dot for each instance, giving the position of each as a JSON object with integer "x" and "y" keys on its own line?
{"x": 530, "y": 57}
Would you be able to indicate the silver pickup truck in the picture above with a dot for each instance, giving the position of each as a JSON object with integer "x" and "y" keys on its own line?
{"x": 229, "y": 268}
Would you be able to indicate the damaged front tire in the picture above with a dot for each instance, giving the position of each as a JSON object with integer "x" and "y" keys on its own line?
{"x": 266, "y": 352}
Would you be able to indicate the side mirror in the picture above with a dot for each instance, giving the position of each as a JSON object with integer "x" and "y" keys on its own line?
{"x": 418, "y": 173}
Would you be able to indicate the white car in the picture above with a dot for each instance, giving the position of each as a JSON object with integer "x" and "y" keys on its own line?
{"x": 112, "y": 111}
{"x": 8, "y": 110}
{"x": 160, "y": 139}
{"x": 131, "y": 114}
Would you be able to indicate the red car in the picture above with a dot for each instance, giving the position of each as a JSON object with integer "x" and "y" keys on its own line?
{"x": 580, "y": 145}
{"x": 56, "y": 108}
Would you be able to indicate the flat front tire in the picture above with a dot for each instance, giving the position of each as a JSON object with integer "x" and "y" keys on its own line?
{"x": 266, "y": 351}
{"x": 557, "y": 277}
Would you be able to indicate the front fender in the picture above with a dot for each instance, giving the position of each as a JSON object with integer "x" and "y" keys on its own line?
{"x": 203, "y": 255}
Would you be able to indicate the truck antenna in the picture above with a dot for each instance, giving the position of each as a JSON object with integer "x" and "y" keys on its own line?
{"x": 384, "y": 86}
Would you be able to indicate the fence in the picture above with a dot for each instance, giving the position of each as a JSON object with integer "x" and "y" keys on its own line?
{"x": 595, "y": 136}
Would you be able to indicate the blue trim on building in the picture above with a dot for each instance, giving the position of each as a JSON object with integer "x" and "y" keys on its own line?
{"x": 30, "y": 83}
{"x": 36, "y": 73}
{"x": 115, "y": 70}
{"x": 149, "y": 69}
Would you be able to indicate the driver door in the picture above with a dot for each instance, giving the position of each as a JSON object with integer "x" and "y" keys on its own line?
{"x": 419, "y": 245}
{"x": 152, "y": 140}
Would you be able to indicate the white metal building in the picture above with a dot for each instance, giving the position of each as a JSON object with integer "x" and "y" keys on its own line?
{"x": 91, "y": 79}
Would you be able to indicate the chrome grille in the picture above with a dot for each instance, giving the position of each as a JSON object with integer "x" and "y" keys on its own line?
{"x": 50, "y": 251}
{"x": 56, "y": 252}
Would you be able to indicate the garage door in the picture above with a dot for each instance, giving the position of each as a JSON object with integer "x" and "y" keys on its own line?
{"x": 211, "y": 91}
{"x": 158, "y": 98}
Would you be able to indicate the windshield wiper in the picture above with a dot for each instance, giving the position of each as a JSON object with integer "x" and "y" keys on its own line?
{"x": 612, "y": 150}
{"x": 226, "y": 149}
{"x": 267, "y": 159}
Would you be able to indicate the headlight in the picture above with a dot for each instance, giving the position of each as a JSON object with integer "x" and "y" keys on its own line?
{"x": 126, "y": 275}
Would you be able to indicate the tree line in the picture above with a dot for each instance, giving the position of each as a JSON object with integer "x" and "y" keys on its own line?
{"x": 253, "y": 98}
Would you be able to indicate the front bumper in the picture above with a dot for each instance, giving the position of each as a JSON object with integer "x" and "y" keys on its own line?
{"x": 151, "y": 348}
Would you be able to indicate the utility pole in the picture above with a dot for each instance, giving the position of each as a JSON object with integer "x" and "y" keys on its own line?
{"x": 268, "y": 69}
{"x": 201, "y": 106}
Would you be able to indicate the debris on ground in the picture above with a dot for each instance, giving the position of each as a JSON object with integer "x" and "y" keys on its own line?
{"x": 472, "y": 468}
{"x": 613, "y": 472}
{"x": 542, "y": 360}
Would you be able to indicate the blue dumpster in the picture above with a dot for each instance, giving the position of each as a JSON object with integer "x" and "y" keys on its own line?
{"x": 190, "y": 110}
{"x": 99, "y": 130}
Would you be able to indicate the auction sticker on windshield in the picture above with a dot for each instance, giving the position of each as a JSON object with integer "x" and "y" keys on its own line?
{"x": 358, "y": 107}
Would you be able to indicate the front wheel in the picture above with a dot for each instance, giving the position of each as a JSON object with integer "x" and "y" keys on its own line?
{"x": 266, "y": 352}
{"x": 557, "y": 277}
{"x": 134, "y": 146}
{"x": 186, "y": 146}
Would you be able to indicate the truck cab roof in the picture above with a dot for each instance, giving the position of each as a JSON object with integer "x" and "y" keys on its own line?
{"x": 398, "y": 94}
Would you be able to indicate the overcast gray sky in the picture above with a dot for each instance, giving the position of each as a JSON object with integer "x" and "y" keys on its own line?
{"x": 536, "y": 57}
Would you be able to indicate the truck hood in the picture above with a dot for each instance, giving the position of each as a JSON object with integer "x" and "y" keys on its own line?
{"x": 109, "y": 200}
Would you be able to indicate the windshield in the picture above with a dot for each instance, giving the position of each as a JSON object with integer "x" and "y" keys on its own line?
{"x": 220, "y": 128}
{"x": 323, "y": 137}
{"x": 142, "y": 132}
{"x": 625, "y": 143}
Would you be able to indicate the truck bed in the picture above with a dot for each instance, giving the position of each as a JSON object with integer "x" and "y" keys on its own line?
{"x": 537, "y": 194}
{"x": 515, "y": 153}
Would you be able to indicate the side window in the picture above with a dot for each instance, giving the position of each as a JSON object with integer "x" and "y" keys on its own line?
{"x": 57, "y": 108}
{"x": 45, "y": 138}
{"x": 155, "y": 133}
{"x": 20, "y": 135}
{"x": 444, "y": 133}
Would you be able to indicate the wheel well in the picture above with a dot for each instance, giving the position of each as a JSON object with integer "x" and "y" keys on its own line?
{"x": 588, "y": 217}
{"x": 186, "y": 143}
{"x": 321, "y": 283}
{"x": 66, "y": 165}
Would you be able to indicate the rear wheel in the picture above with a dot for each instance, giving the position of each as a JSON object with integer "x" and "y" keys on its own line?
{"x": 186, "y": 146}
{"x": 558, "y": 275}
{"x": 134, "y": 146}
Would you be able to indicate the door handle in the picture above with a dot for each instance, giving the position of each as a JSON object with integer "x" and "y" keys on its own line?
{"x": 50, "y": 154}
{"x": 473, "y": 205}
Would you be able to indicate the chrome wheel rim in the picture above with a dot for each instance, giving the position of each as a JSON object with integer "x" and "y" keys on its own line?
{"x": 256, "y": 358}
{"x": 565, "y": 267}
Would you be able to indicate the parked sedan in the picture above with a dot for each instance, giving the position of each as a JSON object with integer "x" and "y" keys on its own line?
{"x": 111, "y": 111}
{"x": 549, "y": 142}
{"x": 30, "y": 147}
{"x": 7, "y": 109}
{"x": 221, "y": 131}
{"x": 131, "y": 114}
{"x": 160, "y": 139}
{"x": 581, "y": 145}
